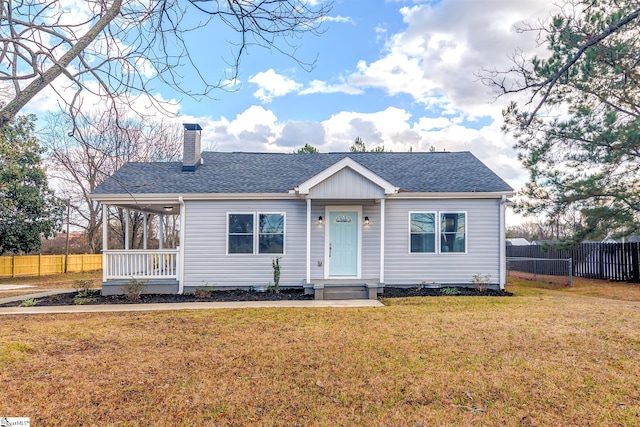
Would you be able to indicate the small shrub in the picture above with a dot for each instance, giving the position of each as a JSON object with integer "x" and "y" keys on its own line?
{"x": 86, "y": 293}
{"x": 78, "y": 300}
{"x": 202, "y": 292}
{"x": 133, "y": 289}
{"x": 82, "y": 284}
{"x": 481, "y": 282}
{"x": 275, "y": 264}
{"x": 29, "y": 302}
{"x": 449, "y": 292}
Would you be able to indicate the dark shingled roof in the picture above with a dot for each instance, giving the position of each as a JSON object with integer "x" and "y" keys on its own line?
{"x": 279, "y": 173}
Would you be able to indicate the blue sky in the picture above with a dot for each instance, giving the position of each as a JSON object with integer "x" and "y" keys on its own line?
{"x": 402, "y": 74}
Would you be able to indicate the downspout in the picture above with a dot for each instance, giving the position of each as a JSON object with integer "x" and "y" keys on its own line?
{"x": 382, "y": 231}
{"x": 105, "y": 242}
{"x": 183, "y": 224}
{"x": 503, "y": 259}
{"x": 308, "y": 278}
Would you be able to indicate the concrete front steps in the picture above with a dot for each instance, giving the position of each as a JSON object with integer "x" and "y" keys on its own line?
{"x": 345, "y": 291}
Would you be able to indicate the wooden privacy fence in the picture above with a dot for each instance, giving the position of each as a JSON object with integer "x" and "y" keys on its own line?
{"x": 43, "y": 265}
{"x": 604, "y": 261}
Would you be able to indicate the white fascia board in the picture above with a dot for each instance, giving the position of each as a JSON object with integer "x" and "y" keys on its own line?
{"x": 169, "y": 198}
{"x": 356, "y": 167}
{"x": 451, "y": 195}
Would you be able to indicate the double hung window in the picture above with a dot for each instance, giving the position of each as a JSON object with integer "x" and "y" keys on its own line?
{"x": 453, "y": 232}
{"x": 423, "y": 232}
{"x": 443, "y": 232}
{"x": 251, "y": 233}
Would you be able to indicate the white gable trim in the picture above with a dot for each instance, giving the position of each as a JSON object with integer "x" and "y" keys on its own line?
{"x": 347, "y": 162}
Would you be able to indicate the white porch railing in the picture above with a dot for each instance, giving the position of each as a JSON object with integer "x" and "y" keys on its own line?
{"x": 141, "y": 264}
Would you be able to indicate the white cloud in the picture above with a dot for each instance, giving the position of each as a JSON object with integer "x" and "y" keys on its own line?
{"x": 341, "y": 19}
{"x": 272, "y": 84}
{"x": 436, "y": 58}
{"x": 317, "y": 86}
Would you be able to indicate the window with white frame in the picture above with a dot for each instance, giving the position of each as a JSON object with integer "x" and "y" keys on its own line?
{"x": 271, "y": 233}
{"x": 426, "y": 228}
{"x": 242, "y": 237}
{"x": 240, "y": 233}
{"x": 423, "y": 231}
{"x": 453, "y": 235}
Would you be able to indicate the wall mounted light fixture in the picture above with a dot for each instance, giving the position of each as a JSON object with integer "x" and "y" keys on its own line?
{"x": 366, "y": 220}
{"x": 168, "y": 208}
{"x": 320, "y": 220}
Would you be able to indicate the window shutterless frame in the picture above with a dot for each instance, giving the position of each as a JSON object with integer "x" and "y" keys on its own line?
{"x": 419, "y": 226}
{"x": 454, "y": 232}
{"x": 238, "y": 231}
{"x": 450, "y": 220}
{"x": 271, "y": 230}
{"x": 265, "y": 228}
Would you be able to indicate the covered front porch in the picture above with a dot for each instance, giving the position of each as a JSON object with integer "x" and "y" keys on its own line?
{"x": 142, "y": 242}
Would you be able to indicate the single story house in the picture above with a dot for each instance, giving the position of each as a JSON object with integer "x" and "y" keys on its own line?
{"x": 365, "y": 220}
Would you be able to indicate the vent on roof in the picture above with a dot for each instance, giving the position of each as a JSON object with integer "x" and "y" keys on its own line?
{"x": 191, "y": 150}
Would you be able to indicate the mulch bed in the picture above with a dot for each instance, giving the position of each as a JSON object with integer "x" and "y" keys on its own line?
{"x": 93, "y": 297}
{"x": 435, "y": 292}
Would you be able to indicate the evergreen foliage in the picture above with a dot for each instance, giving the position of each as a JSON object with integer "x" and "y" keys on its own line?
{"x": 579, "y": 133}
{"x": 28, "y": 208}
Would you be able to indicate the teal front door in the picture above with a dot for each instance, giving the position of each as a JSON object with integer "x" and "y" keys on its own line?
{"x": 343, "y": 244}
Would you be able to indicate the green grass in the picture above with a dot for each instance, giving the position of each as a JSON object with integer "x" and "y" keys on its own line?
{"x": 542, "y": 357}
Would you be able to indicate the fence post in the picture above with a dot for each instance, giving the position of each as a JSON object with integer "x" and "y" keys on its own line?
{"x": 13, "y": 266}
{"x": 635, "y": 267}
{"x": 570, "y": 271}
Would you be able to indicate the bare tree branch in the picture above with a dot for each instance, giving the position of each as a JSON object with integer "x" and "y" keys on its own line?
{"x": 119, "y": 49}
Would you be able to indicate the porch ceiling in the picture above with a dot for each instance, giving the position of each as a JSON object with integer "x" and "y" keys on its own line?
{"x": 167, "y": 208}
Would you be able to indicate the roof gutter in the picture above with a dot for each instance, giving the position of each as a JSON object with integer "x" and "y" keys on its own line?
{"x": 452, "y": 195}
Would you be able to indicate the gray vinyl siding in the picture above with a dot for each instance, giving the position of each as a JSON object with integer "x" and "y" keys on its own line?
{"x": 206, "y": 261}
{"x": 346, "y": 184}
{"x": 207, "y": 264}
{"x": 483, "y": 243}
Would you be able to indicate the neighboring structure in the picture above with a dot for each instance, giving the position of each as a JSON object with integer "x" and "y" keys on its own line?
{"x": 336, "y": 219}
{"x": 518, "y": 241}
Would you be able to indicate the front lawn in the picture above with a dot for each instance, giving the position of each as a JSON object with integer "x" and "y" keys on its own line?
{"x": 542, "y": 357}
{"x": 45, "y": 283}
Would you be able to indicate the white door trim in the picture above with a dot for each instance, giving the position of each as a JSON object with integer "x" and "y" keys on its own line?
{"x": 351, "y": 208}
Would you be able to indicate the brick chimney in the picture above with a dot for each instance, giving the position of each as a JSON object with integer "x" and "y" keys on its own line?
{"x": 191, "y": 151}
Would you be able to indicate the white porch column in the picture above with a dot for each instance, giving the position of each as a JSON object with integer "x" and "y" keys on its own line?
{"x": 382, "y": 209}
{"x": 503, "y": 249}
{"x": 183, "y": 226}
{"x": 308, "y": 240}
{"x": 161, "y": 232}
{"x": 126, "y": 228}
{"x": 144, "y": 231}
{"x": 105, "y": 240}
